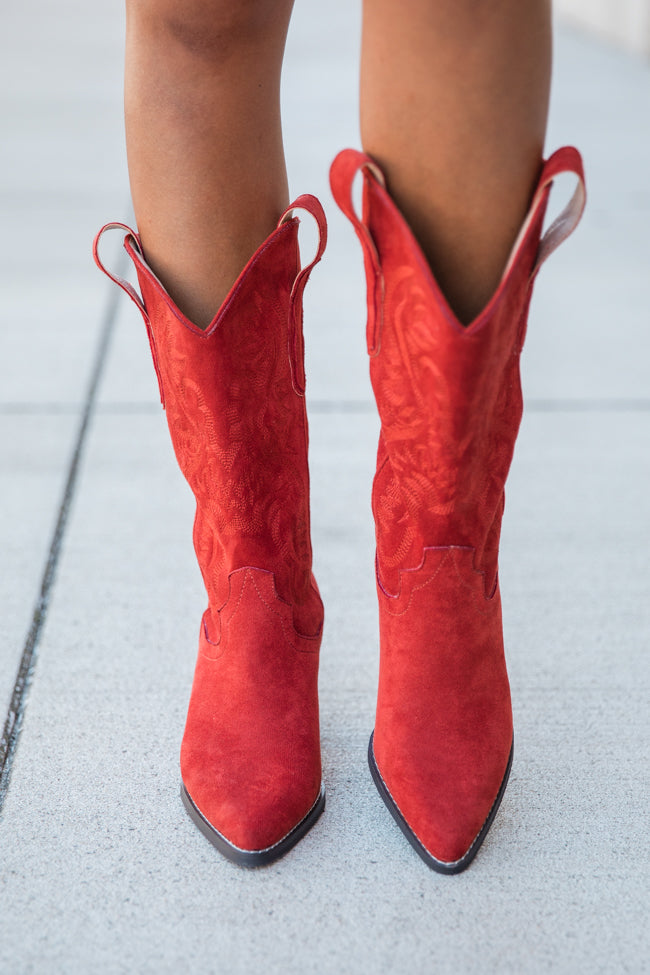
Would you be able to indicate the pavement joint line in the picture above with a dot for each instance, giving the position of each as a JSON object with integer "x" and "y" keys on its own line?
{"x": 24, "y": 677}
{"x": 588, "y": 405}
{"x": 597, "y": 405}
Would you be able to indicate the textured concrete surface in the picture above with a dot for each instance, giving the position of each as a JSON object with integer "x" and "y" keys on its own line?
{"x": 32, "y": 471}
{"x": 100, "y": 869}
{"x": 61, "y": 165}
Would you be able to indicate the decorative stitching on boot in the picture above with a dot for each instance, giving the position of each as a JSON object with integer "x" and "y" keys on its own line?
{"x": 249, "y": 577}
{"x": 283, "y": 622}
{"x": 450, "y": 551}
{"x": 422, "y": 585}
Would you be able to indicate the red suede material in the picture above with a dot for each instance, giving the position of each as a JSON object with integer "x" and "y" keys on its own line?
{"x": 239, "y": 428}
{"x": 443, "y": 728}
{"x": 250, "y": 758}
{"x": 450, "y": 404}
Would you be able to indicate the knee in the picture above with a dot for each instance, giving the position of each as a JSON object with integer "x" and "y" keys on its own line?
{"x": 210, "y": 29}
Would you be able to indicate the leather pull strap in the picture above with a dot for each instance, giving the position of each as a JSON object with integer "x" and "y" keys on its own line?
{"x": 344, "y": 169}
{"x": 131, "y": 243}
{"x": 565, "y": 160}
{"x": 349, "y": 162}
{"x": 126, "y": 286}
{"x": 310, "y": 205}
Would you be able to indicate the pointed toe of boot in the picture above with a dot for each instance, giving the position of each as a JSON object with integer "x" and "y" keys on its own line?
{"x": 446, "y": 826}
{"x": 442, "y": 744}
{"x": 250, "y": 758}
{"x": 254, "y": 830}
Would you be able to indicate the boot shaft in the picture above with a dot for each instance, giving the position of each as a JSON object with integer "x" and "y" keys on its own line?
{"x": 234, "y": 399}
{"x": 449, "y": 396}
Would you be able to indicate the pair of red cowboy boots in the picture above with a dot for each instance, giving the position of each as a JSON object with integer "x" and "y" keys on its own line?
{"x": 449, "y": 400}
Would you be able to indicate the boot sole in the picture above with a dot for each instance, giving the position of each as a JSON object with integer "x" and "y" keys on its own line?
{"x": 253, "y": 858}
{"x": 441, "y": 866}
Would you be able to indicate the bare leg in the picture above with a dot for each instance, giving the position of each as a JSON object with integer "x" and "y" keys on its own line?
{"x": 204, "y": 140}
{"x": 454, "y": 102}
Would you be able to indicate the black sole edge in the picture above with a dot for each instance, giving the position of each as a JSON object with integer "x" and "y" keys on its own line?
{"x": 440, "y": 866}
{"x": 252, "y": 858}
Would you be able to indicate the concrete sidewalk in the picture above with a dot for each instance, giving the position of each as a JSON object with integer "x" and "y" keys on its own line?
{"x": 100, "y": 868}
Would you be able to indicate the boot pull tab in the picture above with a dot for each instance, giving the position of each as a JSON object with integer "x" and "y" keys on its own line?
{"x": 565, "y": 160}
{"x": 312, "y": 206}
{"x": 133, "y": 247}
{"x": 121, "y": 282}
{"x": 344, "y": 169}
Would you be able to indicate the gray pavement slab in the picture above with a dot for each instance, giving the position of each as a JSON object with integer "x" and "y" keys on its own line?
{"x": 100, "y": 869}
{"x": 61, "y": 164}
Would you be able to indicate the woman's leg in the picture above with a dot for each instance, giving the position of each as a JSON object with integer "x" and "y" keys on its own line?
{"x": 454, "y": 101}
{"x": 204, "y": 140}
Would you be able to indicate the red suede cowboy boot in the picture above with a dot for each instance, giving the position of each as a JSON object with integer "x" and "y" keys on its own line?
{"x": 234, "y": 397}
{"x": 449, "y": 400}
